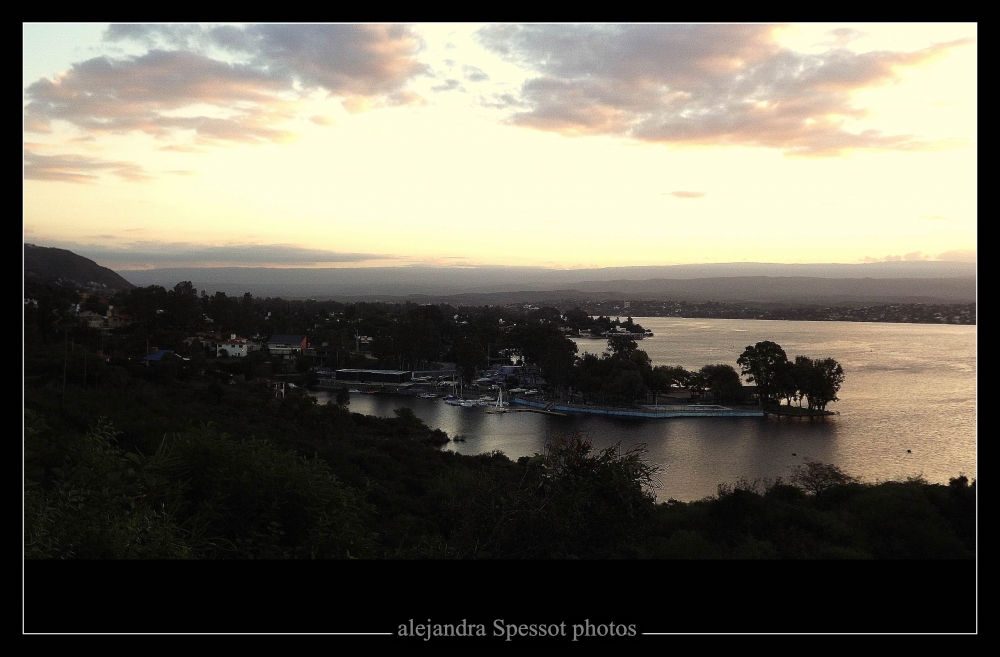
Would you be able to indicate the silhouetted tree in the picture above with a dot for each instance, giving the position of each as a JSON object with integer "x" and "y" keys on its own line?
{"x": 821, "y": 380}
{"x": 722, "y": 380}
{"x": 761, "y": 363}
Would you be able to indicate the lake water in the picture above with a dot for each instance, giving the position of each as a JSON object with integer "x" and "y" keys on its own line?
{"x": 907, "y": 387}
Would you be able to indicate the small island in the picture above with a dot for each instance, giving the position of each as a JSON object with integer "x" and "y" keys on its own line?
{"x": 623, "y": 381}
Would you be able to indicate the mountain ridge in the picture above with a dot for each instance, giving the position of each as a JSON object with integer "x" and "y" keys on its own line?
{"x": 751, "y": 289}
{"x": 52, "y": 265}
{"x": 768, "y": 283}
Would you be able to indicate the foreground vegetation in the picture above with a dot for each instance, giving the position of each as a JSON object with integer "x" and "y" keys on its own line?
{"x": 134, "y": 467}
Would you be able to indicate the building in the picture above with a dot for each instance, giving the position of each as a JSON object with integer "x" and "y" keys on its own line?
{"x": 160, "y": 355}
{"x": 374, "y": 376}
{"x": 286, "y": 345}
{"x": 92, "y": 319}
{"x": 234, "y": 346}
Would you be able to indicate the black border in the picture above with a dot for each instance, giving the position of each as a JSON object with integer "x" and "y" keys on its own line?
{"x": 673, "y": 597}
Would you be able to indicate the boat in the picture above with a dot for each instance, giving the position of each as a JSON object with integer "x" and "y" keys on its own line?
{"x": 427, "y": 395}
{"x": 626, "y": 334}
{"x": 499, "y": 406}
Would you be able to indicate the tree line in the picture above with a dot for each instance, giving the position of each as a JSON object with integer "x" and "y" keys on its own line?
{"x": 817, "y": 381}
{"x": 418, "y": 336}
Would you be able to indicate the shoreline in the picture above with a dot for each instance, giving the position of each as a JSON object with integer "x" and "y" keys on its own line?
{"x": 661, "y": 411}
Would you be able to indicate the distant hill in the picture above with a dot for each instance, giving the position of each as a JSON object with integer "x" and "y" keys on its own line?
{"x": 51, "y": 265}
{"x": 819, "y": 284}
{"x": 792, "y": 289}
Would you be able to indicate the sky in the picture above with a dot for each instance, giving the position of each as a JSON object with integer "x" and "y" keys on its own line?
{"x": 555, "y": 145}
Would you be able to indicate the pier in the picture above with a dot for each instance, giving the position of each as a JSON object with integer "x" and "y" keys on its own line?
{"x": 646, "y": 412}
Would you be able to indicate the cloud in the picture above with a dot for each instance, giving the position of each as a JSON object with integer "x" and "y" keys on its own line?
{"x": 712, "y": 85}
{"x": 322, "y": 120}
{"x": 149, "y": 254}
{"x": 842, "y": 36}
{"x": 405, "y": 97}
{"x": 504, "y": 101}
{"x": 178, "y": 88}
{"x": 936, "y": 217}
{"x": 358, "y": 104}
{"x": 152, "y": 36}
{"x": 474, "y": 74}
{"x": 680, "y": 194}
{"x": 960, "y": 255}
{"x": 79, "y": 168}
{"x": 448, "y": 86}
{"x": 181, "y": 148}
{"x": 345, "y": 60}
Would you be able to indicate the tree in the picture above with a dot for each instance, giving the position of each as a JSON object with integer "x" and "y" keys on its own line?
{"x": 546, "y": 346}
{"x": 184, "y": 305}
{"x": 470, "y": 354}
{"x": 675, "y": 375}
{"x": 571, "y": 502}
{"x": 816, "y": 477}
{"x": 578, "y": 319}
{"x": 824, "y": 380}
{"x": 557, "y": 359}
{"x": 786, "y": 382}
{"x": 622, "y": 346}
{"x": 801, "y": 378}
{"x": 722, "y": 380}
{"x": 761, "y": 363}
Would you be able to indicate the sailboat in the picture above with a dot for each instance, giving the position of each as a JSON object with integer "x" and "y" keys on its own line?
{"x": 500, "y": 406}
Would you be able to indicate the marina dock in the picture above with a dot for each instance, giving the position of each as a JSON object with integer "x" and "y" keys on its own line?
{"x": 646, "y": 412}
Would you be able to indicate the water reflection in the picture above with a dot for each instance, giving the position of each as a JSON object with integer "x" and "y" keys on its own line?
{"x": 696, "y": 454}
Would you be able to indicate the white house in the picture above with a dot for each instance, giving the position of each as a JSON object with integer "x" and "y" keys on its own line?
{"x": 234, "y": 346}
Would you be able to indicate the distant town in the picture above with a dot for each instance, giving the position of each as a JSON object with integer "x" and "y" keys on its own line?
{"x": 916, "y": 313}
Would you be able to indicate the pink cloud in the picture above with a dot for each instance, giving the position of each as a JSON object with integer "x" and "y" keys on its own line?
{"x": 79, "y": 168}
{"x": 698, "y": 84}
{"x": 146, "y": 93}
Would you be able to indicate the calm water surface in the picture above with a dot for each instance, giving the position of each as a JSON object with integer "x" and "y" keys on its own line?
{"x": 907, "y": 387}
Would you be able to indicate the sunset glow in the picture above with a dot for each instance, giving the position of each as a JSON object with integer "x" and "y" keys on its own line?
{"x": 554, "y": 145}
